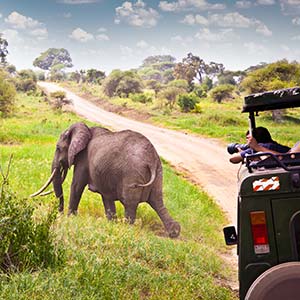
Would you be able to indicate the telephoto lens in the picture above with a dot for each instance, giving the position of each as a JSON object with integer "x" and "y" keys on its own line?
{"x": 234, "y": 147}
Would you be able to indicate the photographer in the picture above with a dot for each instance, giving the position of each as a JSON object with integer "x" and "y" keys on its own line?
{"x": 259, "y": 141}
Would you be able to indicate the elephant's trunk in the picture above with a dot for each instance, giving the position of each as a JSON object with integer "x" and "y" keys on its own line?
{"x": 58, "y": 179}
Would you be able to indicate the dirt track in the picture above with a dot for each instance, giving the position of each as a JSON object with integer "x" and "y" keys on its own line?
{"x": 205, "y": 161}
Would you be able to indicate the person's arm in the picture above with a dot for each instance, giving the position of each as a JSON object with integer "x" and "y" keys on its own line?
{"x": 236, "y": 158}
{"x": 259, "y": 148}
{"x": 295, "y": 148}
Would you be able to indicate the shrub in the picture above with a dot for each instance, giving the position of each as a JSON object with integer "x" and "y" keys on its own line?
{"x": 25, "y": 244}
{"x": 141, "y": 97}
{"x": 187, "y": 102}
{"x": 25, "y": 85}
{"x": 7, "y": 95}
{"x": 222, "y": 92}
{"x": 120, "y": 83}
{"x": 170, "y": 94}
{"x": 59, "y": 99}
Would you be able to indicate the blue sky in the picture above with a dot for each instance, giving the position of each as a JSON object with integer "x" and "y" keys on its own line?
{"x": 110, "y": 34}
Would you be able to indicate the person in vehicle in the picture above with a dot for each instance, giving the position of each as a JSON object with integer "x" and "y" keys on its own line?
{"x": 259, "y": 141}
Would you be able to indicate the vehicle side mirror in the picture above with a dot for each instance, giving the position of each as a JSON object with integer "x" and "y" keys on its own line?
{"x": 230, "y": 235}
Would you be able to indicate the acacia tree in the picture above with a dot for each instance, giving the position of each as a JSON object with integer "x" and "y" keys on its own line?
{"x": 193, "y": 67}
{"x": 54, "y": 59}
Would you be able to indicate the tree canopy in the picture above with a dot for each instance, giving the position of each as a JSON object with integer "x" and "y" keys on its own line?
{"x": 54, "y": 59}
{"x": 193, "y": 67}
{"x": 277, "y": 75}
{"x": 3, "y": 49}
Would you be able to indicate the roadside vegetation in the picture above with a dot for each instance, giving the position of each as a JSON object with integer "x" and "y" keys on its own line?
{"x": 195, "y": 97}
{"x": 97, "y": 259}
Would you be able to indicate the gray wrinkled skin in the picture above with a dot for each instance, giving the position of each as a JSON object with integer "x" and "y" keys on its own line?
{"x": 120, "y": 166}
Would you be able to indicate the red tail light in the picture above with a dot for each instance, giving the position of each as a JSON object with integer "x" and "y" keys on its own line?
{"x": 259, "y": 232}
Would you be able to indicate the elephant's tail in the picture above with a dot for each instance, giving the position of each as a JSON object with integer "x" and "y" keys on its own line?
{"x": 153, "y": 176}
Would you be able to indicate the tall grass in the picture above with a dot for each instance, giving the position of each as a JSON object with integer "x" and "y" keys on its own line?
{"x": 113, "y": 260}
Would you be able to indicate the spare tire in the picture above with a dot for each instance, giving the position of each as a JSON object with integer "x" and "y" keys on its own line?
{"x": 281, "y": 282}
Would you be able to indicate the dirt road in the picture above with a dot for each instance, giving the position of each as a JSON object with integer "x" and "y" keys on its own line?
{"x": 205, "y": 161}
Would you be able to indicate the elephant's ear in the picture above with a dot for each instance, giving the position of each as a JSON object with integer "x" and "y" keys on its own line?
{"x": 80, "y": 137}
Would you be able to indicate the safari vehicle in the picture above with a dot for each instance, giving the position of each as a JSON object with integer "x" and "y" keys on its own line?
{"x": 268, "y": 225}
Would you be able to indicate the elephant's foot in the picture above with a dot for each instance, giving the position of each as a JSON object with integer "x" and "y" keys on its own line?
{"x": 72, "y": 212}
{"x": 173, "y": 229}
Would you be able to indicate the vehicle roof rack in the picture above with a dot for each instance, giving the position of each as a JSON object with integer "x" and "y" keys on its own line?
{"x": 287, "y": 161}
{"x": 271, "y": 100}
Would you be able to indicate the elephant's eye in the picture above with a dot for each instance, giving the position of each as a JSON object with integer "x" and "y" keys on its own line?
{"x": 58, "y": 148}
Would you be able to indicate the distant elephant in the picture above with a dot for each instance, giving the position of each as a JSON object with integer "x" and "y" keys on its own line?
{"x": 120, "y": 166}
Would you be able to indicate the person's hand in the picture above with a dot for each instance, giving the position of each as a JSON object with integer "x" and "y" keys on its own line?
{"x": 252, "y": 142}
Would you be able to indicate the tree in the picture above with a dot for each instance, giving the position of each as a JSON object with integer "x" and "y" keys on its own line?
{"x": 280, "y": 74}
{"x": 7, "y": 95}
{"x": 194, "y": 68}
{"x": 3, "y": 50}
{"x": 94, "y": 76}
{"x": 157, "y": 59}
{"x": 222, "y": 92}
{"x": 122, "y": 83}
{"x": 190, "y": 68}
{"x": 54, "y": 59}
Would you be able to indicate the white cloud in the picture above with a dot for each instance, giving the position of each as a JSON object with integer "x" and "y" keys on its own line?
{"x": 290, "y": 7}
{"x": 296, "y": 38}
{"x": 142, "y": 44}
{"x": 231, "y": 20}
{"x": 296, "y": 21}
{"x": 183, "y": 5}
{"x": 27, "y": 24}
{"x": 81, "y": 35}
{"x": 40, "y": 33}
{"x": 207, "y": 35}
{"x": 265, "y": 2}
{"x": 126, "y": 51}
{"x": 243, "y": 4}
{"x": 102, "y": 37}
{"x": 254, "y": 48}
{"x": 19, "y": 21}
{"x": 262, "y": 28}
{"x": 12, "y": 36}
{"x": 136, "y": 14}
{"x": 102, "y": 29}
{"x": 194, "y": 19}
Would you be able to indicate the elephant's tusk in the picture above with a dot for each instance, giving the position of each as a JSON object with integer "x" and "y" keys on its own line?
{"x": 46, "y": 193}
{"x": 44, "y": 186}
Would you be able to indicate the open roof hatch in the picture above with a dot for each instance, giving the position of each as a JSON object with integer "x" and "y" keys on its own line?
{"x": 270, "y": 100}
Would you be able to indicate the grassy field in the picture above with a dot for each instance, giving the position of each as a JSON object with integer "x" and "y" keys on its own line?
{"x": 112, "y": 260}
{"x": 217, "y": 120}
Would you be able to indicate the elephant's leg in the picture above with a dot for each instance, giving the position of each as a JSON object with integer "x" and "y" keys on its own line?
{"x": 130, "y": 212}
{"x": 156, "y": 202}
{"x": 110, "y": 208}
{"x": 78, "y": 184}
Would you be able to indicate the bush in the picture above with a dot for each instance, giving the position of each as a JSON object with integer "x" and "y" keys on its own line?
{"x": 7, "y": 95}
{"x": 141, "y": 97}
{"x": 222, "y": 92}
{"x": 25, "y": 85}
{"x": 187, "y": 102}
{"x": 120, "y": 83}
{"x": 170, "y": 94}
{"x": 25, "y": 244}
{"x": 59, "y": 99}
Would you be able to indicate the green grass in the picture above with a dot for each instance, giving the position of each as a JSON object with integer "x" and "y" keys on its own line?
{"x": 112, "y": 260}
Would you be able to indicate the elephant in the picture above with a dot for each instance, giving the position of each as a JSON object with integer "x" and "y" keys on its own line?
{"x": 122, "y": 165}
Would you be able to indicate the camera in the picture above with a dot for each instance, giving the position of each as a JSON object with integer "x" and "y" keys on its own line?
{"x": 234, "y": 147}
